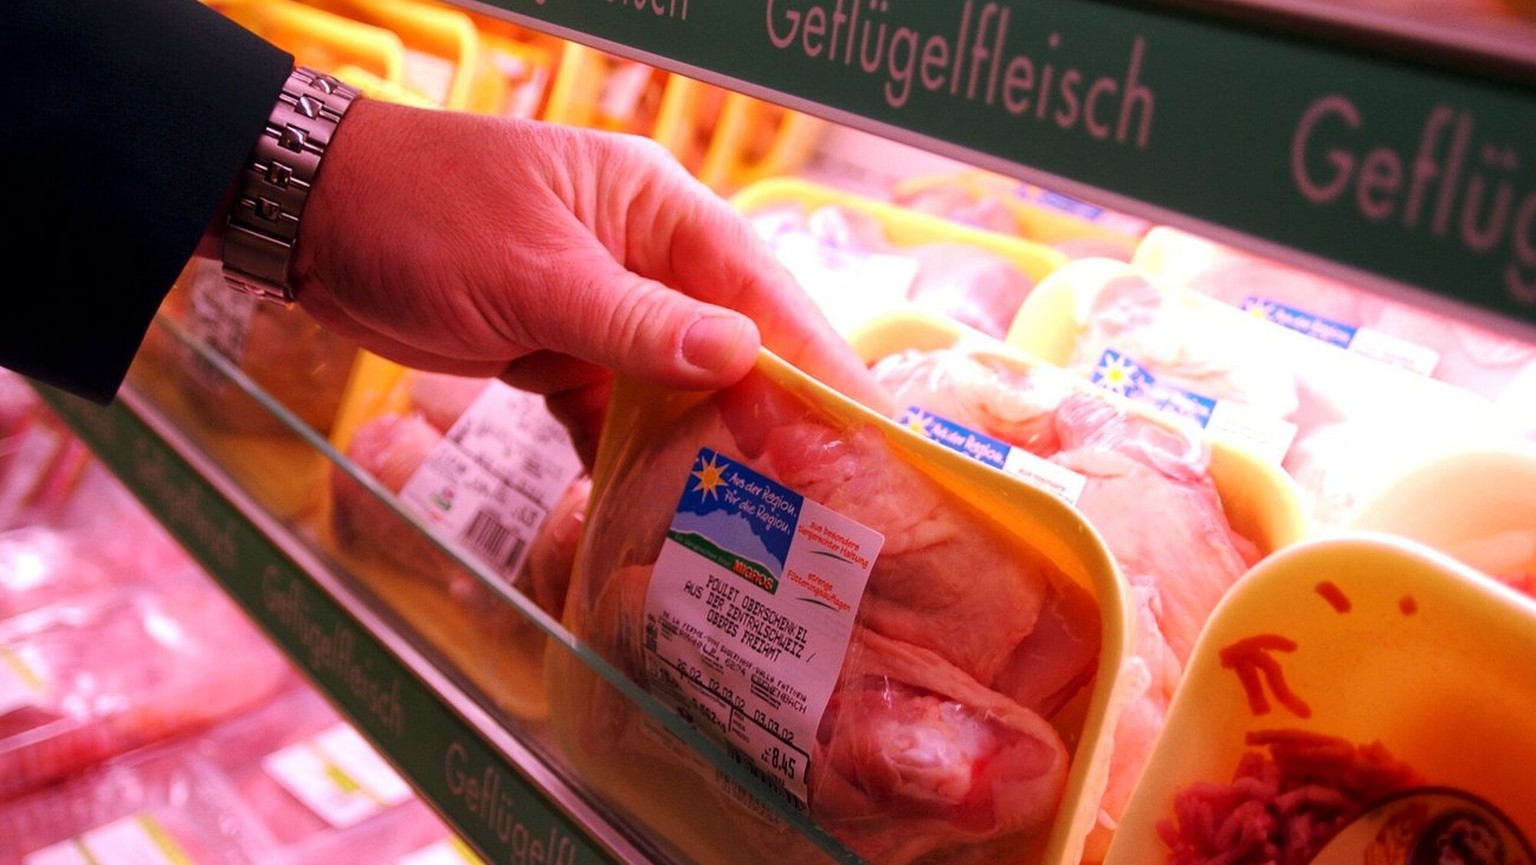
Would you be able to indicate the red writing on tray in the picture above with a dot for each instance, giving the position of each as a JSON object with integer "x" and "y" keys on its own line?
{"x": 1255, "y": 666}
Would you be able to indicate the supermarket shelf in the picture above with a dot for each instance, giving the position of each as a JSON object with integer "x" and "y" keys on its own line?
{"x": 1378, "y": 148}
{"x": 496, "y": 791}
{"x": 430, "y": 694}
{"x": 1492, "y": 38}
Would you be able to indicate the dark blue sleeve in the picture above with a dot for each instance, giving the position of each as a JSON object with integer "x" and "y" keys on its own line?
{"x": 133, "y": 118}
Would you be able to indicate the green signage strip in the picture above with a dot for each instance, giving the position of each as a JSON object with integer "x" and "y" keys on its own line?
{"x": 1421, "y": 176}
{"x": 493, "y": 805}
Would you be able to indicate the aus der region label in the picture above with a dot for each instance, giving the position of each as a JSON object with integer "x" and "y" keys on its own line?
{"x": 1363, "y": 341}
{"x": 749, "y": 613}
{"x": 1036, "y": 471}
{"x": 1269, "y": 437}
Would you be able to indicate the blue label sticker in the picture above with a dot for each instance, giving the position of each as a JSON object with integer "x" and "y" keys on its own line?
{"x": 738, "y": 518}
{"x": 1123, "y": 375}
{"x": 1323, "y": 329}
{"x": 1064, "y": 203}
{"x": 978, "y": 446}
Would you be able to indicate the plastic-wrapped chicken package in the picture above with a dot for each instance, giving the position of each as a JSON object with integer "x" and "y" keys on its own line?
{"x": 1071, "y": 226}
{"x": 285, "y": 353}
{"x": 67, "y": 524}
{"x": 1341, "y": 423}
{"x": 1183, "y": 517}
{"x": 320, "y": 791}
{"x": 918, "y": 657}
{"x": 1496, "y": 366}
{"x": 457, "y": 470}
{"x": 57, "y": 487}
{"x": 41, "y": 463}
{"x": 1355, "y": 698}
{"x": 156, "y": 807}
{"x": 250, "y": 383}
{"x": 859, "y": 257}
{"x": 105, "y": 672}
{"x": 43, "y": 564}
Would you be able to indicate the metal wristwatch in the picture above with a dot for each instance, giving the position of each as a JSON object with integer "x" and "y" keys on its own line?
{"x": 264, "y": 217}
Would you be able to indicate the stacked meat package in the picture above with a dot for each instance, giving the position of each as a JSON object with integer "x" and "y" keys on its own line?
{"x": 143, "y": 718}
{"x": 459, "y": 505}
{"x": 1123, "y": 547}
{"x": 980, "y": 614}
{"x": 914, "y": 654}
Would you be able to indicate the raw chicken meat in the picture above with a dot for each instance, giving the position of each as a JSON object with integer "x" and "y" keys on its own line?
{"x": 994, "y": 202}
{"x": 112, "y": 670}
{"x": 842, "y": 256}
{"x": 41, "y": 565}
{"x": 943, "y": 760}
{"x": 975, "y": 287}
{"x": 1183, "y": 343}
{"x": 1462, "y": 353}
{"x": 936, "y": 744}
{"x": 1340, "y": 422}
{"x": 321, "y": 793}
{"x": 393, "y": 447}
{"x": 42, "y": 464}
{"x": 49, "y": 480}
{"x": 157, "y": 805}
{"x": 959, "y": 203}
{"x": 100, "y": 536}
{"x": 390, "y": 448}
{"x": 1146, "y": 491}
{"x": 286, "y": 354}
{"x": 552, "y": 557}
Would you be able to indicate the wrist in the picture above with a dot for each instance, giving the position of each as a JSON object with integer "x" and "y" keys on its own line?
{"x": 262, "y": 213}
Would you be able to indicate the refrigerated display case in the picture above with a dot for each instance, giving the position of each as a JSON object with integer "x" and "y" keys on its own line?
{"x": 1383, "y": 146}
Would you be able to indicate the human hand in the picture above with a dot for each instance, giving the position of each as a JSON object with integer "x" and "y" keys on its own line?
{"x": 550, "y": 256}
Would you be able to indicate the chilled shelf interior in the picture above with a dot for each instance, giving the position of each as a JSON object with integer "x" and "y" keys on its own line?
{"x": 1094, "y": 254}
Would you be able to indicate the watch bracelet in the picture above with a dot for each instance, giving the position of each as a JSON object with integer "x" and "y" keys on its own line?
{"x": 263, "y": 223}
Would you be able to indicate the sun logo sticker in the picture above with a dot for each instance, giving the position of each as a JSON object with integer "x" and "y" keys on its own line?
{"x": 1120, "y": 374}
{"x": 711, "y": 477}
{"x": 916, "y": 421}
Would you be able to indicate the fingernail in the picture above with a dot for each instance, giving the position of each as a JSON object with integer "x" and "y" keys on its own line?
{"x": 712, "y": 341}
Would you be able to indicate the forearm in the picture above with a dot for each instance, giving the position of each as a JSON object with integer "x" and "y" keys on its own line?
{"x": 141, "y": 114}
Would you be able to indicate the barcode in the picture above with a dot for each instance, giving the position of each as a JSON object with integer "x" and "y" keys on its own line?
{"x": 494, "y": 542}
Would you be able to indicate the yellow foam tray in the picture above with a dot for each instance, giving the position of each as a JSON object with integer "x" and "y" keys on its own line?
{"x": 1373, "y": 639}
{"x": 902, "y": 226}
{"x": 1260, "y": 500}
{"x": 662, "y": 786}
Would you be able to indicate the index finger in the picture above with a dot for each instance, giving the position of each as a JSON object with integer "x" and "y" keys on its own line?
{"x": 718, "y": 257}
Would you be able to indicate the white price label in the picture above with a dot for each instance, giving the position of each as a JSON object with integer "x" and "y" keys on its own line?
{"x": 491, "y": 483}
{"x": 134, "y": 840}
{"x": 338, "y": 775}
{"x": 749, "y": 613}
